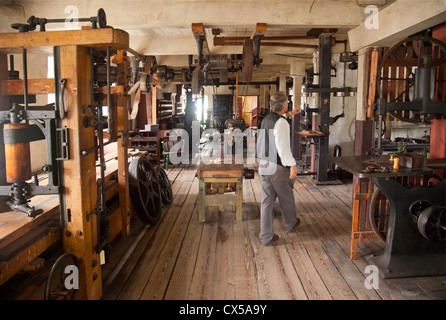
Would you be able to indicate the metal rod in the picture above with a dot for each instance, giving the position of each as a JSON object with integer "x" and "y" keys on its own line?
{"x": 380, "y": 119}
{"x": 126, "y": 256}
{"x": 277, "y": 44}
{"x": 224, "y": 39}
{"x": 11, "y": 62}
{"x": 90, "y": 150}
{"x": 64, "y": 20}
{"x": 109, "y": 120}
{"x": 136, "y": 54}
{"x": 25, "y": 78}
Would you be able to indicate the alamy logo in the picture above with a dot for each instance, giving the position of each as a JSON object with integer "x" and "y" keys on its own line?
{"x": 72, "y": 279}
{"x": 72, "y": 21}
{"x": 372, "y": 21}
{"x": 372, "y": 280}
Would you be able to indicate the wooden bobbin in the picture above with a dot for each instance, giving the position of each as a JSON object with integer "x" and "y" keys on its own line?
{"x": 17, "y": 157}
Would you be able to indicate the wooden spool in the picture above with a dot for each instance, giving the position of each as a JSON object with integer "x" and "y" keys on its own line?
{"x": 17, "y": 157}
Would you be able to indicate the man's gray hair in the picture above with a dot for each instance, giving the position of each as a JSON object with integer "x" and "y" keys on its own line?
{"x": 278, "y": 99}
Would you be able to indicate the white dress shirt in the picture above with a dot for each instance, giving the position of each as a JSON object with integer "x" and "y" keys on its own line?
{"x": 282, "y": 139}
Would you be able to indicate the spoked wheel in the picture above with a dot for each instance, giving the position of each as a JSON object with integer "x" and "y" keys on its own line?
{"x": 396, "y": 73}
{"x": 378, "y": 214}
{"x": 145, "y": 190}
{"x": 62, "y": 283}
{"x": 166, "y": 188}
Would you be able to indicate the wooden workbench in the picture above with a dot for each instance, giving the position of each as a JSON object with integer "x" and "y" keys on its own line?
{"x": 23, "y": 239}
{"x": 220, "y": 176}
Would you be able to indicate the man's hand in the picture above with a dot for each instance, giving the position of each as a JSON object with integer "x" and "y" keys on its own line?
{"x": 296, "y": 111}
{"x": 293, "y": 172}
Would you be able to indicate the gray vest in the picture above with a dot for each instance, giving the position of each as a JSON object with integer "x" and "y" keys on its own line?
{"x": 266, "y": 143}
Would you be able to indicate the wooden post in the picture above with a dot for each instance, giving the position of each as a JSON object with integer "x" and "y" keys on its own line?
{"x": 372, "y": 82}
{"x": 355, "y": 225}
{"x": 4, "y": 105}
{"x": 123, "y": 166}
{"x": 80, "y": 233}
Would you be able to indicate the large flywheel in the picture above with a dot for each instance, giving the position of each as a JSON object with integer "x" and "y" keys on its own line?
{"x": 378, "y": 215}
{"x": 145, "y": 190}
{"x": 396, "y": 80}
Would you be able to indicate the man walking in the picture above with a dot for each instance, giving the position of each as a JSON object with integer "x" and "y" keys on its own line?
{"x": 277, "y": 169}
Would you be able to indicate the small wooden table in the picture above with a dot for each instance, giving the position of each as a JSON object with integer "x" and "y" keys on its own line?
{"x": 220, "y": 176}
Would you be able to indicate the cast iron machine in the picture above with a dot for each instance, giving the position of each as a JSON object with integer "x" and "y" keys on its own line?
{"x": 416, "y": 227}
{"x": 319, "y": 117}
{"x": 17, "y": 135}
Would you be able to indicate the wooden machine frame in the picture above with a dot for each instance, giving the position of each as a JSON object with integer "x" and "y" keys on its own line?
{"x": 79, "y": 171}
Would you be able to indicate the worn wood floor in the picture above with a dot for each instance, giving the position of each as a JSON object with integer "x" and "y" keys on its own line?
{"x": 181, "y": 258}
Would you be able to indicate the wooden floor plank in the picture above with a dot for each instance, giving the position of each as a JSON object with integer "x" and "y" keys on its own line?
{"x": 179, "y": 284}
{"x": 308, "y": 232}
{"x": 312, "y": 283}
{"x": 433, "y": 288}
{"x": 274, "y": 260}
{"x": 334, "y": 222}
{"x": 246, "y": 287}
{"x": 140, "y": 274}
{"x": 202, "y": 283}
{"x": 180, "y": 258}
{"x": 162, "y": 271}
{"x": 224, "y": 281}
{"x": 112, "y": 290}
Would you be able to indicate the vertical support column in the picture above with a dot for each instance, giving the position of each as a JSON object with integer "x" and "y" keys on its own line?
{"x": 297, "y": 70}
{"x": 324, "y": 104}
{"x": 123, "y": 165}
{"x": 282, "y": 82}
{"x": 4, "y": 105}
{"x": 364, "y": 132}
{"x": 361, "y": 92}
{"x": 80, "y": 233}
{"x": 148, "y": 103}
{"x": 262, "y": 98}
{"x": 189, "y": 115}
{"x": 154, "y": 106}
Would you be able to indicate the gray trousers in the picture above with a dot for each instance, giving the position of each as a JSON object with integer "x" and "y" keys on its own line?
{"x": 277, "y": 185}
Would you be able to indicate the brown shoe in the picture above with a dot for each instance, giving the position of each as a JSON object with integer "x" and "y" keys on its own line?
{"x": 275, "y": 238}
{"x": 295, "y": 226}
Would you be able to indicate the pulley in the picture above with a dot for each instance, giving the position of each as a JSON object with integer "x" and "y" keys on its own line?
{"x": 61, "y": 283}
{"x": 430, "y": 220}
{"x": 431, "y": 223}
{"x": 165, "y": 187}
{"x": 145, "y": 189}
